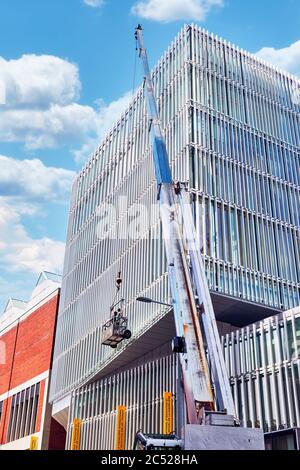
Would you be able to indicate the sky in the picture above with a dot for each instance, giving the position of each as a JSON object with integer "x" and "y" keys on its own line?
{"x": 66, "y": 75}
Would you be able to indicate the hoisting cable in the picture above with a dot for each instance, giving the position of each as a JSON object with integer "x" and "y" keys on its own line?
{"x": 135, "y": 67}
{"x": 119, "y": 281}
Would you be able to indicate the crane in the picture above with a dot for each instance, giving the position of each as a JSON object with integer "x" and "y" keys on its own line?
{"x": 206, "y": 385}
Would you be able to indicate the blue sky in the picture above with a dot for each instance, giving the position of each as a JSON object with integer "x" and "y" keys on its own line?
{"x": 67, "y": 70}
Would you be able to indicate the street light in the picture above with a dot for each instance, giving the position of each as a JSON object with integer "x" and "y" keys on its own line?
{"x": 178, "y": 343}
{"x": 146, "y": 300}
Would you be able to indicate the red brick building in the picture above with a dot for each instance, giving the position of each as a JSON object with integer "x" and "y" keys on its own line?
{"x": 27, "y": 331}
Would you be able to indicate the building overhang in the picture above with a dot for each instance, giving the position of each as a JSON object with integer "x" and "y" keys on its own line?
{"x": 228, "y": 310}
{"x": 235, "y": 312}
{"x": 60, "y": 411}
{"x": 240, "y": 312}
{"x": 162, "y": 331}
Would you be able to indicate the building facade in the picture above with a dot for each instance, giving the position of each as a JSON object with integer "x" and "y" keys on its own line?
{"x": 231, "y": 124}
{"x": 27, "y": 332}
{"x": 263, "y": 363}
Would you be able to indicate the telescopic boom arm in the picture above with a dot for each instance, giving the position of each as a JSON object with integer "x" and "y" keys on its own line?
{"x": 187, "y": 278}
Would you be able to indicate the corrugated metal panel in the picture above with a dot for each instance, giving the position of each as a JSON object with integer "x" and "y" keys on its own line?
{"x": 141, "y": 389}
{"x": 231, "y": 124}
{"x": 263, "y": 363}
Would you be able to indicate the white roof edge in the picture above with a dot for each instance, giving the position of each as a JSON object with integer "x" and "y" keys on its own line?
{"x": 16, "y": 308}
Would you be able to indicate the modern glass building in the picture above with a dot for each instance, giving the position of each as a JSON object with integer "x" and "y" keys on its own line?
{"x": 231, "y": 124}
{"x": 263, "y": 362}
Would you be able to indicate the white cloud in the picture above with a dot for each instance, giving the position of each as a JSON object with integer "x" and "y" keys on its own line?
{"x": 39, "y": 81}
{"x": 105, "y": 117}
{"x": 39, "y": 128}
{"x": 31, "y": 179}
{"x": 287, "y": 58}
{"x": 173, "y": 10}
{"x": 19, "y": 252}
{"x": 29, "y": 255}
{"x": 94, "y": 3}
{"x": 41, "y": 109}
{"x": 26, "y": 186}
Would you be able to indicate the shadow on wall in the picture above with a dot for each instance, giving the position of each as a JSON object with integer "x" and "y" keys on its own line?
{"x": 58, "y": 436}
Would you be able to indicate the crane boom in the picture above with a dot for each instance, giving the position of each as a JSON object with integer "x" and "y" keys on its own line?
{"x": 187, "y": 278}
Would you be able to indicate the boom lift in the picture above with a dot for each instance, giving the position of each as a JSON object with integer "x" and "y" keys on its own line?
{"x": 115, "y": 330}
{"x": 207, "y": 392}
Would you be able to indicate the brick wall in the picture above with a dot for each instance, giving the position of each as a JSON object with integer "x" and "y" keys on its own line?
{"x": 5, "y": 420}
{"x": 6, "y": 369}
{"x": 29, "y": 348}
